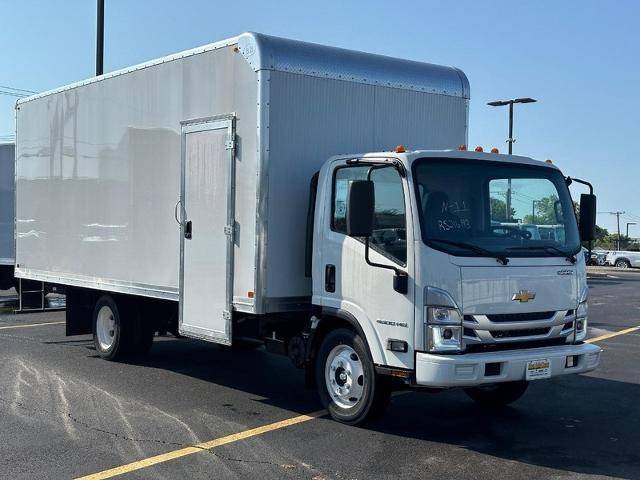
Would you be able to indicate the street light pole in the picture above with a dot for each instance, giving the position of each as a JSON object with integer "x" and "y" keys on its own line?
{"x": 629, "y": 223}
{"x": 502, "y": 103}
{"x": 510, "y": 140}
{"x": 99, "y": 37}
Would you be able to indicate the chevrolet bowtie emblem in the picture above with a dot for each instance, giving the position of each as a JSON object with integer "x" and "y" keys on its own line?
{"x": 523, "y": 296}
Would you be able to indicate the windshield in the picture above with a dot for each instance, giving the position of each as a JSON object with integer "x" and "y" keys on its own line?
{"x": 504, "y": 208}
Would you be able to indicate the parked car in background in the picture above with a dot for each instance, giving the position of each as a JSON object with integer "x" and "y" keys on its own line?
{"x": 623, "y": 259}
{"x": 599, "y": 257}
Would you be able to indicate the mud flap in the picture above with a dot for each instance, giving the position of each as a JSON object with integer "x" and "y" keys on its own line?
{"x": 80, "y": 304}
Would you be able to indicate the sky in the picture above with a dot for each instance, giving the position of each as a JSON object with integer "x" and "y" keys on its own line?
{"x": 579, "y": 59}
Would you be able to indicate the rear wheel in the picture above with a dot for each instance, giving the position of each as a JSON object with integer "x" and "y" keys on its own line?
{"x": 498, "y": 394}
{"x": 119, "y": 331}
{"x": 347, "y": 382}
{"x": 622, "y": 263}
{"x": 109, "y": 336}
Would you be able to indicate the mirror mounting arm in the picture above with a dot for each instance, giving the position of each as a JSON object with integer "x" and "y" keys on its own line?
{"x": 570, "y": 180}
{"x": 400, "y": 281}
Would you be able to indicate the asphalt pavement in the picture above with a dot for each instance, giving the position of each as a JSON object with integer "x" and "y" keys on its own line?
{"x": 65, "y": 413}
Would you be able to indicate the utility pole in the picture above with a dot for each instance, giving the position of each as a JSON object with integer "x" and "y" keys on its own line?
{"x": 99, "y": 37}
{"x": 617, "y": 214}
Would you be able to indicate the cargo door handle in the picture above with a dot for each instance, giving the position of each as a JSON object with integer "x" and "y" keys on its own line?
{"x": 187, "y": 230}
{"x": 330, "y": 278}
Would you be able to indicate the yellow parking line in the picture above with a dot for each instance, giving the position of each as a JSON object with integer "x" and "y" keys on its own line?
{"x": 613, "y": 334}
{"x": 200, "y": 447}
{"x": 30, "y": 325}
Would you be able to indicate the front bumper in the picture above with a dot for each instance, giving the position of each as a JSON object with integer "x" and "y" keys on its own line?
{"x": 468, "y": 370}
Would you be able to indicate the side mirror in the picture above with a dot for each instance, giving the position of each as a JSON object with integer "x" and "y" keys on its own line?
{"x": 360, "y": 207}
{"x": 587, "y": 217}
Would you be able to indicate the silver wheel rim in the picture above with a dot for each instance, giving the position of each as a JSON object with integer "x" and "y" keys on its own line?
{"x": 344, "y": 376}
{"x": 622, "y": 264}
{"x": 106, "y": 327}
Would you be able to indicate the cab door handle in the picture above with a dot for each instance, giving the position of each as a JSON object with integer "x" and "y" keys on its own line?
{"x": 330, "y": 278}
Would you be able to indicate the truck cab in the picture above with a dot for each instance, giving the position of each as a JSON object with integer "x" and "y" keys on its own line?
{"x": 417, "y": 250}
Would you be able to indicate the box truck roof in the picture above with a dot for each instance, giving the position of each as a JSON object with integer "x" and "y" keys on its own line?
{"x": 265, "y": 52}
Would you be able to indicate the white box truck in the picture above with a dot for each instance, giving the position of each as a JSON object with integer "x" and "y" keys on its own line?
{"x": 221, "y": 193}
{"x": 7, "y": 215}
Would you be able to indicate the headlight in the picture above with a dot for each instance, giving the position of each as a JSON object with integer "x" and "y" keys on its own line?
{"x": 444, "y": 338}
{"x": 443, "y": 315}
{"x": 443, "y": 329}
{"x": 581, "y": 316}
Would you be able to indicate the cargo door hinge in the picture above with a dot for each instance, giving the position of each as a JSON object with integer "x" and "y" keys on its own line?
{"x": 228, "y": 230}
{"x": 226, "y": 314}
{"x": 230, "y": 144}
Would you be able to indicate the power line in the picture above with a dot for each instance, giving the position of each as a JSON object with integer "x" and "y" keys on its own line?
{"x": 17, "y": 89}
{"x": 13, "y": 94}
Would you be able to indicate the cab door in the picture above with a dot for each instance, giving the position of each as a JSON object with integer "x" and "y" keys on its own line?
{"x": 361, "y": 291}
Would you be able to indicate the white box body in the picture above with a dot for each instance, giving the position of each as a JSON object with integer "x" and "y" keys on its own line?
{"x": 99, "y": 162}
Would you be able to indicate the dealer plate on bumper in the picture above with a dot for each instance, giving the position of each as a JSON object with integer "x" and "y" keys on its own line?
{"x": 538, "y": 369}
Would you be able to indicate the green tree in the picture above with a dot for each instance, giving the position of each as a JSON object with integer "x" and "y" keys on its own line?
{"x": 543, "y": 211}
{"x": 499, "y": 210}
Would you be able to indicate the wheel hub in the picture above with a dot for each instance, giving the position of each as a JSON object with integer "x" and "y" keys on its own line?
{"x": 106, "y": 327}
{"x": 344, "y": 376}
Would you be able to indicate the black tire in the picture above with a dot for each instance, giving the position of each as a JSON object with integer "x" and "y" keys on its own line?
{"x": 622, "y": 263}
{"x": 498, "y": 394}
{"x": 131, "y": 335}
{"x": 375, "y": 389}
{"x": 115, "y": 343}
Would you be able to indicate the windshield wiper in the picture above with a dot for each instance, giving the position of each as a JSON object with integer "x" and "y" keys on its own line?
{"x": 474, "y": 248}
{"x": 548, "y": 249}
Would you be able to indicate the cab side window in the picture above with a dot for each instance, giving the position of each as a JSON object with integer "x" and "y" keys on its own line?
{"x": 389, "y": 224}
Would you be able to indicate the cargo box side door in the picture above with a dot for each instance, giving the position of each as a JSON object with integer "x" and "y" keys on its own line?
{"x": 207, "y": 220}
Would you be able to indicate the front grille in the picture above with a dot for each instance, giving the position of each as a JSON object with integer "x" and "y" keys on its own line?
{"x": 469, "y": 332}
{"x": 496, "y": 347}
{"x": 526, "y": 332}
{"x": 520, "y": 317}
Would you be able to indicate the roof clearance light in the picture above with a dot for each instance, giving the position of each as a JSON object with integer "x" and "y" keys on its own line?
{"x": 462, "y": 147}
{"x": 495, "y": 150}
{"x": 400, "y": 149}
{"x": 548, "y": 160}
{"x": 479, "y": 149}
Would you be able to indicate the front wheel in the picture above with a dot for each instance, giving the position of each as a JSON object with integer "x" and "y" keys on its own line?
{"x": 498, "y": 394}
{"x": 347, "y": 382}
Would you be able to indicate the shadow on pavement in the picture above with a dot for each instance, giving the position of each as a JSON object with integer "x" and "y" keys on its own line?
{"x": 577, "y": 423}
